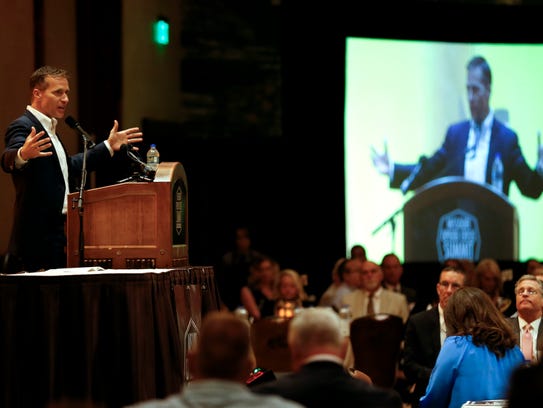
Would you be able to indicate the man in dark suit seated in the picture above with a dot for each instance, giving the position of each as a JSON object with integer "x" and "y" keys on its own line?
{"x": 392, "y": 279}
{"x": 425, "y": 333}
{"x": 527, "y": 322}
{"x": 319, "y": 378}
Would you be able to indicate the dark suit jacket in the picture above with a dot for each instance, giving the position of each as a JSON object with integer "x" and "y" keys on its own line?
{"x": 421, "y": 348}
{"x": 449, "y": 160}
{"x": 39, "y": 194}
{"x": 539, "y": 341}
{"x": 327, "y": 384}
{"x": 410, "y": 294}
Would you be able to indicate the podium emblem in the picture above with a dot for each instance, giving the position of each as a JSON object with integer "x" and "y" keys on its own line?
{"x": 458, "y": 236}
{"x": 179, "y": 199}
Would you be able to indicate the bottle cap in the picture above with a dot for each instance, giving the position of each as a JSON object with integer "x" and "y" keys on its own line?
{"x": 152, "y": 145}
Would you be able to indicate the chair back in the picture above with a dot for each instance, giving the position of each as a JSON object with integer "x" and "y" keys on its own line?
{"x": 376, "y": 342}
{"x": 269, "y": 341}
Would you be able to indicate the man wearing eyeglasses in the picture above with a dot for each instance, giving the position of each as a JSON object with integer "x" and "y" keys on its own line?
{"x": 425, "y": 333}
{"x": 527, "y": 322}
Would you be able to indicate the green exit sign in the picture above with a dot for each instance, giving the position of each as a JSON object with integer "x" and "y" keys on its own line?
{"x": 161, "y": 31}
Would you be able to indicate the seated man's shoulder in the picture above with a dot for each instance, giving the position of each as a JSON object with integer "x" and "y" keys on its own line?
{"x": 309, "y": 387}
{"x": 357, "y": 391}
{"x": 389, "y": 295}
{"x": 273, "y": 401}
{"x": 350, "y": 293}
{"x": 424, "y": 315}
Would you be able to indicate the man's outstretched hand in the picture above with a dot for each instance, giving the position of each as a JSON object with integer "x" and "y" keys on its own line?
{"x": 381, "y": 161}
{"x": 127, "y": 136}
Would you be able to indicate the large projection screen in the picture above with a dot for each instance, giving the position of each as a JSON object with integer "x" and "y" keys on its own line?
{"x": 405, "y": 93}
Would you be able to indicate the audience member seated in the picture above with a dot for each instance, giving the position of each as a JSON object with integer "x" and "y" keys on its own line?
{"x": 327, "y": 297}
{"x": 258, "y": 297}
{"x": 358, "y": 252}
{"x": 488, "y": 277}
{"x": 233, "y": 269}
{"x": 290, "y": 294}
{"x": 372, "y": 298}
{"x": 466, "y": 265}
{"x": 392, "y": 278}
{"x": 531, "y": 265}
{"x": 478, "y": 356}
{"x": 456, "y": 264}
{"x": 527, "y": 322}
{"x": 538, "y": 272}
{"x": 220, "y": 364}
{"x": 425, "y": 333}
{"x": 349, "y": 273}
{"x": 318, "y": 378}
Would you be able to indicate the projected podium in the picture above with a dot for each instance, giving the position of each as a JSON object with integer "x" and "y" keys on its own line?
{"x": 132, "y": 225}
{"x": 452, "y": 217}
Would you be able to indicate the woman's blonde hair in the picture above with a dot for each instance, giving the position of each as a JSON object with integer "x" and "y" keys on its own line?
{"x": 302, "y": 295}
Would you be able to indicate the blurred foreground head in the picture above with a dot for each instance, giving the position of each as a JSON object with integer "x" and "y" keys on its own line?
{"x": 224, "y": 349}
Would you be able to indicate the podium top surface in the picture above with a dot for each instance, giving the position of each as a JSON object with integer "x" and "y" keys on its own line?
{"x": 87, "y": 271}
{"x": 458, "y": 182}
{"x": 169, "y": 171}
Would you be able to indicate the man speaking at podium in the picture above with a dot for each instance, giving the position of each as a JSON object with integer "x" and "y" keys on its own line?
{"x": 43, "y": 173}
{"x": 471, "y": 147}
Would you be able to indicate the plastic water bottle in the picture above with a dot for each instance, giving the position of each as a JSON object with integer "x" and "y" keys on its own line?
{"x": 153, "y": 157}
{"x": 497, "y": 173}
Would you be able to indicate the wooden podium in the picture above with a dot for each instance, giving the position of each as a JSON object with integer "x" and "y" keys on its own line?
{"x": 132, "y": 225}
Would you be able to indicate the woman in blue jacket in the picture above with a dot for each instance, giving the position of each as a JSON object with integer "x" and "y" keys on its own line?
{"x": 478, "y": 356}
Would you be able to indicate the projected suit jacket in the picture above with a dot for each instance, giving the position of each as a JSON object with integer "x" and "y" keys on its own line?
{"x": 448, "y": 160}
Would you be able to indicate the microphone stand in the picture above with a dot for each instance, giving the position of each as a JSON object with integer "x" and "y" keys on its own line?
{"x": 406, "y": 184}
{"x": 86, "y": 142}
{"x": 390, "y": 220}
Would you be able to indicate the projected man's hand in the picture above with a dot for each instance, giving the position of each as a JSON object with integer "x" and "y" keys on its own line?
{"x": 381, "y": 161}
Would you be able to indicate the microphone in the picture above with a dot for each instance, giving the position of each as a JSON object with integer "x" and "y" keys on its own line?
{"x": 128, "y": 148}
{"x": 406, "y": 184}
{"x": 74, "y": 124}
